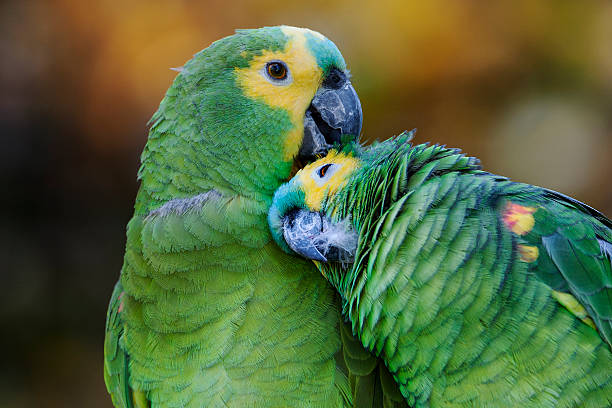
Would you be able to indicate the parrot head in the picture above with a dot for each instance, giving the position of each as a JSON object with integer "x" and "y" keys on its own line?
{"x": 297, "y": 217}
{"x": 242, "y": 111}
{"x": 320, "y": 212}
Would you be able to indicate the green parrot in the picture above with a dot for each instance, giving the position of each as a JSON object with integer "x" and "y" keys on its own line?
{"x": 208, "y": 311}
{"x": 476, "y": 291}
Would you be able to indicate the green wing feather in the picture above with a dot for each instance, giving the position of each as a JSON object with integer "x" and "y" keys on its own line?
{"x": 371, "y": 383}
{"x": 440, "y": 291}
{"x": 575, "y": 249}
{"x": 116, "y": 374}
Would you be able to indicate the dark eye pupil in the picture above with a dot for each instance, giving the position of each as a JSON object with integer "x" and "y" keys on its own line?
{"x": 277, "y": 70}
{"x": 323, "y": 170}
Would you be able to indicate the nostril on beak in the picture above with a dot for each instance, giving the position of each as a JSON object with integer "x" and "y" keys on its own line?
{"x": 335, "y": 79}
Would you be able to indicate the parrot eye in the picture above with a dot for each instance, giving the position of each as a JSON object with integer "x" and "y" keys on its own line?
{"x": 323, "y": 169}
{"x": 277, "y": 70}
{"x": 323, "y": 173}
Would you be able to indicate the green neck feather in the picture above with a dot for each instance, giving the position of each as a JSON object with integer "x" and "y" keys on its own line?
{"x": 390, "y": 172}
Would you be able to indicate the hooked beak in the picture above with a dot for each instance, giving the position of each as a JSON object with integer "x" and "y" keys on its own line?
{"x": 300, "y": 228}
{"x": 335, "y": 111}
{"x": 315, "y": 237}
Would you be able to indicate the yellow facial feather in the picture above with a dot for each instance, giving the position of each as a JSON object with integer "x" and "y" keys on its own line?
{"x": 295, "y": 95}
{"x": 315, "y": 190}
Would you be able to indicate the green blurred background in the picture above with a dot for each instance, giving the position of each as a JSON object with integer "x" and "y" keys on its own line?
{"x": 524, "y": 85}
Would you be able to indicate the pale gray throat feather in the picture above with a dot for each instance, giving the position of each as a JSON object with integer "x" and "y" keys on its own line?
{"x": 180, "y": 206}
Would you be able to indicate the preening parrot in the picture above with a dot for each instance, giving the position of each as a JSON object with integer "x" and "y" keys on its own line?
{"x": 476, "y": 291}
{"x": 208, "y": 311}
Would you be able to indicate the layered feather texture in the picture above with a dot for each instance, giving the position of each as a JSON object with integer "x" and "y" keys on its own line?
{"x": 208, "y": 311}
{"x": 458, "y": 277}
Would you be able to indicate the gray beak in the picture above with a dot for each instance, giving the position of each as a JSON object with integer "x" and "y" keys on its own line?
{"x": 334, "y": 111}
{"x": 314, "y": 236}
{"x": 300, "y": 229}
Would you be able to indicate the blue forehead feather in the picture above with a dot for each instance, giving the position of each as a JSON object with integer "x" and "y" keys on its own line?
{"x": 326, "y": 53}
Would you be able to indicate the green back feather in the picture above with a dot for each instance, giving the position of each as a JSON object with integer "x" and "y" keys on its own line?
{"x": 440, "y": 292}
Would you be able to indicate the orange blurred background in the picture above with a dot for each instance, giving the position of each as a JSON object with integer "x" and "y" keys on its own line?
{"x": 526, "y": 86}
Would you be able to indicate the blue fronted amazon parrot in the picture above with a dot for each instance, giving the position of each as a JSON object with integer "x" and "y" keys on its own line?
{"x": 476, "y": 291}
{"x": 208, "y": 311}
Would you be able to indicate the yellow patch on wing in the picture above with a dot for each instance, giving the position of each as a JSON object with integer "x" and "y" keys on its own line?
{"x": 295, "y": 96}
{"x": 571, "y": 303}
{"x": 518, "y": 218}
{"x": 315, "y": 193}
{"x": 528, "y": 253}
{"x": 139, "y": 399}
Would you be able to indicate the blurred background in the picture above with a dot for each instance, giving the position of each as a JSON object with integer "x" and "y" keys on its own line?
{"x": 526, "y": 86}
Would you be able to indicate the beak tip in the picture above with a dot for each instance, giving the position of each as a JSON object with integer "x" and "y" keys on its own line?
{"x": 318, "y": 257}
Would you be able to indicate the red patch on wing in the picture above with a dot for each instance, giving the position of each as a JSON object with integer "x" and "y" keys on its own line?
{"x": 518, "y": 218}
